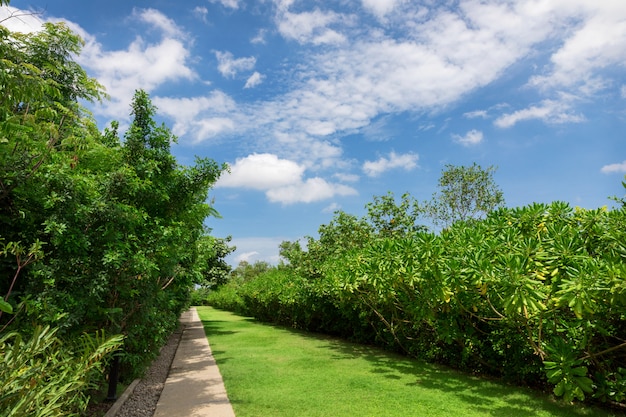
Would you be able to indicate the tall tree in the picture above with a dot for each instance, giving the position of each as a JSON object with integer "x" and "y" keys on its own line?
{"x": 465, "y": 193}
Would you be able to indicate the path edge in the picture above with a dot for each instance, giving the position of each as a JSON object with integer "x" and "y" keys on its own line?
{"x": 122, "y": 399}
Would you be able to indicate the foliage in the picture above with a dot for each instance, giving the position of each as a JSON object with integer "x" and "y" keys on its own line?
{"x": 41, "y": 376}
{"x": 217, "y": 270}
{"x": 535, "y": 295}
{"x": 465, "y": 193}
{"x": 96, "y": 232}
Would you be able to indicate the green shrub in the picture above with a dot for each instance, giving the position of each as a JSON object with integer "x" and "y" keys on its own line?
{"x": 536, "y": 295}
{"x": 44, "y": 377}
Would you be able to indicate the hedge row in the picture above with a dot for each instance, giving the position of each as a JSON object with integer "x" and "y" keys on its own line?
{"x": 535, "y": 295}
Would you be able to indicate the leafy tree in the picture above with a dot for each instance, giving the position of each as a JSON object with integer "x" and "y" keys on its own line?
{"x": 391, "y": 219}
{"x": 465, "y": 193}
{"x": 217, "y": 271}
{"x": 95, "y": 232}
{"x": 246, "y": 271}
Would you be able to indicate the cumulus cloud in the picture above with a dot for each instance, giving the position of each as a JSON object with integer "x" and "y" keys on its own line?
{"x": 471, "y": 138}
{"x": 309, "y": 191}
{"x": 123, "y": 71}
{"x": 164, "y": 48}
{"x": 229, "y": 66}
{"x": 281, "y": 179}
{"x": 255, "y": 79}
{"x": 262, "y": 172}
{"x": 406, "y": 162}
{"x": 614, "y": 168}
{"x": 549, "y": 111}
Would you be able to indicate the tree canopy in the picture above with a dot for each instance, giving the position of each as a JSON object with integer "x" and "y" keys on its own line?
{"x": 97, "y": 232}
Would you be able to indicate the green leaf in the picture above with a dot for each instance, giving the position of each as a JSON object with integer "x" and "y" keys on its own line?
{"x": 559, "y": 390}
{"x": 6, "y": 307}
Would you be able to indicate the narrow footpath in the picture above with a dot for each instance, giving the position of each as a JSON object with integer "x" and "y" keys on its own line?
{"x": 194, "y": 386}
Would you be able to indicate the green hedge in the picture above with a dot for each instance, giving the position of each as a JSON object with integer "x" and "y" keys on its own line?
{"x": 536, "y": 295}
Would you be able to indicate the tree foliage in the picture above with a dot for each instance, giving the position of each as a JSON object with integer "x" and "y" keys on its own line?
{"x": 97, "y": 233}
{"x": 465, "y": 193}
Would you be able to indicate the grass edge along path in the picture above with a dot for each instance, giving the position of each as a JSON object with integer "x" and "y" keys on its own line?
{"x": 274, "y": 371}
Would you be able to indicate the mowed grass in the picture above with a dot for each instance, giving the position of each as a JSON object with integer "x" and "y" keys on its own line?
{"x": 274, "y": 371}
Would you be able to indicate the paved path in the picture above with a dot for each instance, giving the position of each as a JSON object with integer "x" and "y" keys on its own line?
{"x": 194, "y": 386}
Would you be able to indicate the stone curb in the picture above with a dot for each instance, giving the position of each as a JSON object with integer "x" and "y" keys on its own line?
{"x": 120, "y": 401}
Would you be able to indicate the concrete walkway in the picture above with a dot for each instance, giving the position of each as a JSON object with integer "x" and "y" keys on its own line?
{"x": 194, "y": 386}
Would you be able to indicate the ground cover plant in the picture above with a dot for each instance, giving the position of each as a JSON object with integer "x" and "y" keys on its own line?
{"x": 278, "y": 371}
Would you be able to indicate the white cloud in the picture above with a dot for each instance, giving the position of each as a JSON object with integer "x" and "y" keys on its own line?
{"x": 333, "y": 207}
{"x": 228, "y": 66}
{"x": 262, "y": 172}
{"x": 246, "y": 257}
{"x": 124, "y": 71}
{"x": 309, "y": 191}
{"x": 379, "y": 7}
{"x": 623, "y": 91}
{"x": 281, "y": 179}
{"x": 231, "y": 4}
{"x": 253, "y": 249}
{"x": 476, "y": 114}
{"x": 310, "y": 27}
{"x": 16, "y": 20}
{"x": 158, "y": 20}
{"x": 406, "y": 162}
{"x": 255, "y": 79}
{"x": 346, "y": 177}
{"x": 598, "y": 41}
{"x": 471, "y": 138}
{"x": 315, "y": 153}
{"x": 198, "y": 116}
{"x": 212, "y": 126}
{"x": 201, "y": 12}
{"x": 614, "y": 168}
{"x": 260, "y": 37}
{"x": 549, "y": 111}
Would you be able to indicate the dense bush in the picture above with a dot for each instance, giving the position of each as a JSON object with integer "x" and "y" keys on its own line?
{"x": 97, "y": 232}
{"x": 42, "y": 376}
{"x": 536, "y": 295}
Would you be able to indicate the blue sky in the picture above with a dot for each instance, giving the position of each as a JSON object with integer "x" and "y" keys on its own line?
{"x": 318, "y": 106}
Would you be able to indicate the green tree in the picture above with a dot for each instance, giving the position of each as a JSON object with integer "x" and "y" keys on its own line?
{"x": 217, "y": 271}
{"x": 389, "y": 218}
{"x": 245, "y": 271}
{"x": 465, "y": 193}
{"x": 115, "y": 227}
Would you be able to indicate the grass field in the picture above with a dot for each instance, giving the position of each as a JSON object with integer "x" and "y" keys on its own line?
{"x": 274, "y": 371}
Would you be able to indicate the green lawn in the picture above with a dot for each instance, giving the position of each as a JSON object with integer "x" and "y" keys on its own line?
{"x": 273, "y": 371}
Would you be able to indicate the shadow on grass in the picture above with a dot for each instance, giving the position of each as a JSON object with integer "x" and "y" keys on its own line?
{"x": 215, "y": 327}
{"x": 480, "y": 395}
